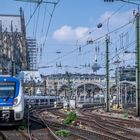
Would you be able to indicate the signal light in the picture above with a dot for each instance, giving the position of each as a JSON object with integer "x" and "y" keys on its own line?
{"x": 108, "y": 0}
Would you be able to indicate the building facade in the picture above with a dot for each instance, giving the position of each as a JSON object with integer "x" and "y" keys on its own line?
{"x": 75, "y": 80}
{"x": 127, "y": 73}
{"x": 12, "y": 43}
{"x": 32, "y": 53}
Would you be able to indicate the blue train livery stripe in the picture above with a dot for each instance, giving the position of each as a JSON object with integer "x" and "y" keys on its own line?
{"x": 10, "y": 101}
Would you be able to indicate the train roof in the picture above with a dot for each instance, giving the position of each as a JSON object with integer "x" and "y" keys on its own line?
{"x": 9, "y": 77}
{"x": 39, "y": 97}
{"x": 5, "y": 76}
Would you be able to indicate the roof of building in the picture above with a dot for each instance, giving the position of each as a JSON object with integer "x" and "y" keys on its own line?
{"x": 30, "y": 76}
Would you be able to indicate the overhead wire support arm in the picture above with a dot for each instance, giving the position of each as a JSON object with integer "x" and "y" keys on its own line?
{"x": 38, "y": 4}
{"x": 33, "y": 13}
{"x": 126, "y": 1}
{"x": 38, "y": 1}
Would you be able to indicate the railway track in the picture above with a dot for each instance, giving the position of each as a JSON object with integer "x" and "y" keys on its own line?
{"x": 101, "y": 127}
{"x": 2, "y": 136}
{"x": 115, "y": 126}
{"x": 13, "y": 135}
{"x": 98, "y": 132}
{"x": 56, "y": 126}
{"x": 88, "y": 135}
{"x": 98, "y": 124}
{"x": 115, "y": 120}
{"x": 96, "y": 127}
{"x": 37, "y": 129}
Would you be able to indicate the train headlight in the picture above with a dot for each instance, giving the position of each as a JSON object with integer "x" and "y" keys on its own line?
{"x": 15, "y": 101}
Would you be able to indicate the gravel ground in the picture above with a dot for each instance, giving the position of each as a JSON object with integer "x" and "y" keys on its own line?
{"x": 120, "y": 114}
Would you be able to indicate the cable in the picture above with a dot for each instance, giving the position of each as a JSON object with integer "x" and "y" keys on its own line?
{"x": 121, "y": 49}
{"x": 102, "y": 65}
{"x": 107, "y": 19}
{"x": 93, "y": 41}
{"x": 113, "y": 15}
{"x": 37, "y": 20}
{"x": 132, "y": 43}
{"x": 34, "y": 24}
{"x": 51, "y": 15}
{"x": 33, "y": 13}
{"x": 44, "y": 19}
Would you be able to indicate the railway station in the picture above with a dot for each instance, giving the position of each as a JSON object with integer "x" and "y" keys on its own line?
{"x": 70, "y": 70}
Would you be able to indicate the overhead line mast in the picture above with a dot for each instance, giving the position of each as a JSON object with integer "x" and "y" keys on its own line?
{"x": 137, "y": 17}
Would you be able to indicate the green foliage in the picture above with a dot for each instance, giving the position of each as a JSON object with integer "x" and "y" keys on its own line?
{"x": 67, "y": 121}
{"x": 70, "y": 118}
{"x": 63, "y": 133}
{"x": 126, "y": 114}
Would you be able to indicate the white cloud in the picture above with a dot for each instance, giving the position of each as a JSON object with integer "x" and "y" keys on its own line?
{"x": 67, "y": 33}
{"x": 117, "y": 19}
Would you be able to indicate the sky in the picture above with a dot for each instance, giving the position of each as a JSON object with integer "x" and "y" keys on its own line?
{"x": 74, "y": 23}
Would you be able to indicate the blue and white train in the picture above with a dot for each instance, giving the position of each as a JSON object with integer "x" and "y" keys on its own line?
{"x": 11, "y": 100}
{"x": 47, "y": 101}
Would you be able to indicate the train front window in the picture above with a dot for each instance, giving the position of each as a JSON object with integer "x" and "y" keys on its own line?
{"x": 7, "y": 89}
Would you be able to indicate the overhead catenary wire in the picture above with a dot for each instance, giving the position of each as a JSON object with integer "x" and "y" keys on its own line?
{"x": 44, "y": 16}
{"x": 51, "y": 19}
{"x": 102, "y": 65}
{"x": 107, "y": 19}
{"x": 47, "y": 31}
{"x": 128, "y": 46}
{"x": 116, "y": 55}
{"x": 93, "y": 41}
{"x": 103, "y": 57}
{"x": 119, "y": 52}
{"x": 34, "y": 21}
{"x": 124, "y": 47}
{"x": 38, "y": 4}
{"x": 37, "y": 20}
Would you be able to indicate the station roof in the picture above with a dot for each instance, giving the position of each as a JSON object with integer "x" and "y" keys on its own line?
{"x": 30, "y": 76}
